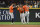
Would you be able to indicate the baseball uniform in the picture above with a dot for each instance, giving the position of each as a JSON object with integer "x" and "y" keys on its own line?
{"x": 26, "y": 8}
{"x": 22, "y": 16}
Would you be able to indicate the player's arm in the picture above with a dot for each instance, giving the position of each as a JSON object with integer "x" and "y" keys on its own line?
{"x": 18, "y": 7}
{"x": 14, "y": 6}
{"x": 27, "y": 8}
{"x": 21, "y": 9}
{"x": 9, "y": 8}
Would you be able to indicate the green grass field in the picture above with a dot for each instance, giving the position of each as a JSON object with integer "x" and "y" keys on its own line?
{"x": 19, "y": 23}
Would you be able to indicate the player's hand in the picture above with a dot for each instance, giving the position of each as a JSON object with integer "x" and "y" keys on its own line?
{"x": 16, "y": 6}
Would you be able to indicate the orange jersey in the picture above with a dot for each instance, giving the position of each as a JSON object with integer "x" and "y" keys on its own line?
{"x": 11, "y": 9}
{"x": 26, "y": 8}
{"x": 20, "y": 10}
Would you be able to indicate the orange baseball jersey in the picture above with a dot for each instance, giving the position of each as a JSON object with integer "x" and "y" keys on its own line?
{"x": 20, "y": 10}
{"x": 26, "y": 8}
{"x": 11, "y": 9}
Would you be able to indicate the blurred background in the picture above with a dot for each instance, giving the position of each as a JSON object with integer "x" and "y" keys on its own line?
{"x": 31, "y": 4}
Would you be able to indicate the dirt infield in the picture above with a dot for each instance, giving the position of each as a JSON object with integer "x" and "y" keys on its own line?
{"x": 19, "y": 25}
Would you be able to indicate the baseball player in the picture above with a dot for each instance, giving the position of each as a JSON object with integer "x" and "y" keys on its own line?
{"x": 26, "y": 8}
{"x": 22, "y": 16}
{"x": 11, "y": 12}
